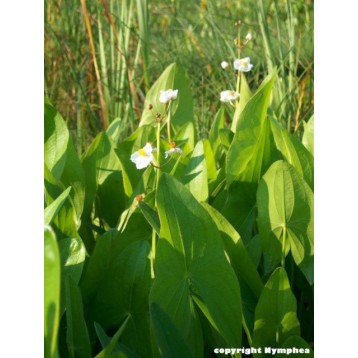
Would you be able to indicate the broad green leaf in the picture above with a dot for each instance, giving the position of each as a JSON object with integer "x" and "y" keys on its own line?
{"x": 168, "y": 338}
{"x": 73, "y": 175}
{"x": 72, "y": 253}
{"x": 78, "y": 342}
{"x": 196, "y": 175}
{"x": 97, "y": 266}
{"x": 308, "y": 135}
{"x": 101, "y": 165}
{"x": 52, "y": 210}
{"x": 191, "y": 269}
{"x": 238, "y": 205}
{"x": 285, "y": 213}
{"x": 106, "y": 352}
{"x": 182, "y": 111}
{"x": 295, "y": 345}
{"x": 254, "y": 248}
{"x": 214, "y": 136}
{"x": 124, "y": 291}
{"x": 275, "y": 314}
{"x": 51, "y": 293}
{"x": 61, "y": 158}
{"x": 293, "y": 152}
{"x": 245, "y": 95}
{"x": 250, "y": 282}
{"x": 56, "y": 139}
{"x": 235, "y": 248}
{"x": 249, "y": 154}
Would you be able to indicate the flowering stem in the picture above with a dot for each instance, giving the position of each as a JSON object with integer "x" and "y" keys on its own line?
{"x": 157, "y": 167}
{"x": 168, "y": 122}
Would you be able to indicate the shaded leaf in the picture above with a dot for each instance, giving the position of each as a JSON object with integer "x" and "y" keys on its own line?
{"x": 51, "y": 292}
{"x": 285, "y": 213}
{"x": 78, "y": 342}
{"x": 275, "y": 314}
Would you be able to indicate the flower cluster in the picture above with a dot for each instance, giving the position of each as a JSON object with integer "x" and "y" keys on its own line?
{"x": 144, "y": 156}
{"x": 241, "y": 65}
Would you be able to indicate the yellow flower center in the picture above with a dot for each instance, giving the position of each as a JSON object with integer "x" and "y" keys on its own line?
{"x": 232, "y": 93}
{"x": 244, "y": 63}
{"x": 142, "y": 152}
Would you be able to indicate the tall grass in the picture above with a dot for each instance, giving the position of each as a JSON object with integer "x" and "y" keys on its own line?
{"x": 134, "y": 40}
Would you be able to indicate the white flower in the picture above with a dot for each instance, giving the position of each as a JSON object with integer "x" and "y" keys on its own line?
{"x": 228, "y": 96}
{"x": 143, "y": 156}
{"x": 224, "y": 64}
{"x": 243, "y": 64}
{"x": 168, "y": 95}
{"x": 173, "y": 150}
{"x": 248, "y": 37}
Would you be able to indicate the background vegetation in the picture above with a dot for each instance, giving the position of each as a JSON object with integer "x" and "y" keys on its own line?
{"x": 131, "y": 42}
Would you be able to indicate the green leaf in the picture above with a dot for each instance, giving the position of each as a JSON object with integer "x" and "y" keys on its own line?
{"x": 214, "y": 136}
{"x": 285, "y": 213}
{"x": 73, "y": 175}
{"x": 124, "y": 291}
{"x": 192, "y": 270}
{"x": 249, "y": 154}
{"x": 250, "y": 282}
{"x": 171, "y": 343}
{"x": 196, "y": 176}
{"x": 245, "y": 95}
{"x": 97, "y": 266}
{"x": 61, "y": 158}
{"x": 64, "y": 223}
{"x": 51, "y": 292}
{"x": 78, "y": 342}
{"x": 293, "y": 152}
{"x": 275, "y": 314}
{"x": 186, "y": 133}
{"x": 308, "y": 135}
{"x": 151, "y": 216}
{"x": 238, "y": 205}
{"x": 226, "y": 137}
{"x": 102, "y": 165}
{"x": 56, "y": 139}
{"x": 254, "y": 248}
{"x": 182, "y": 108}
{"x": 210, "y": 162}
{"x": 52, "y": 210}
{"x": 295, "y": 345}
{"x": 106, "y": 352}
{"x": 72, "y": 253}
{"x": 115, "y": 129}
{"x": 235, "y": 248}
